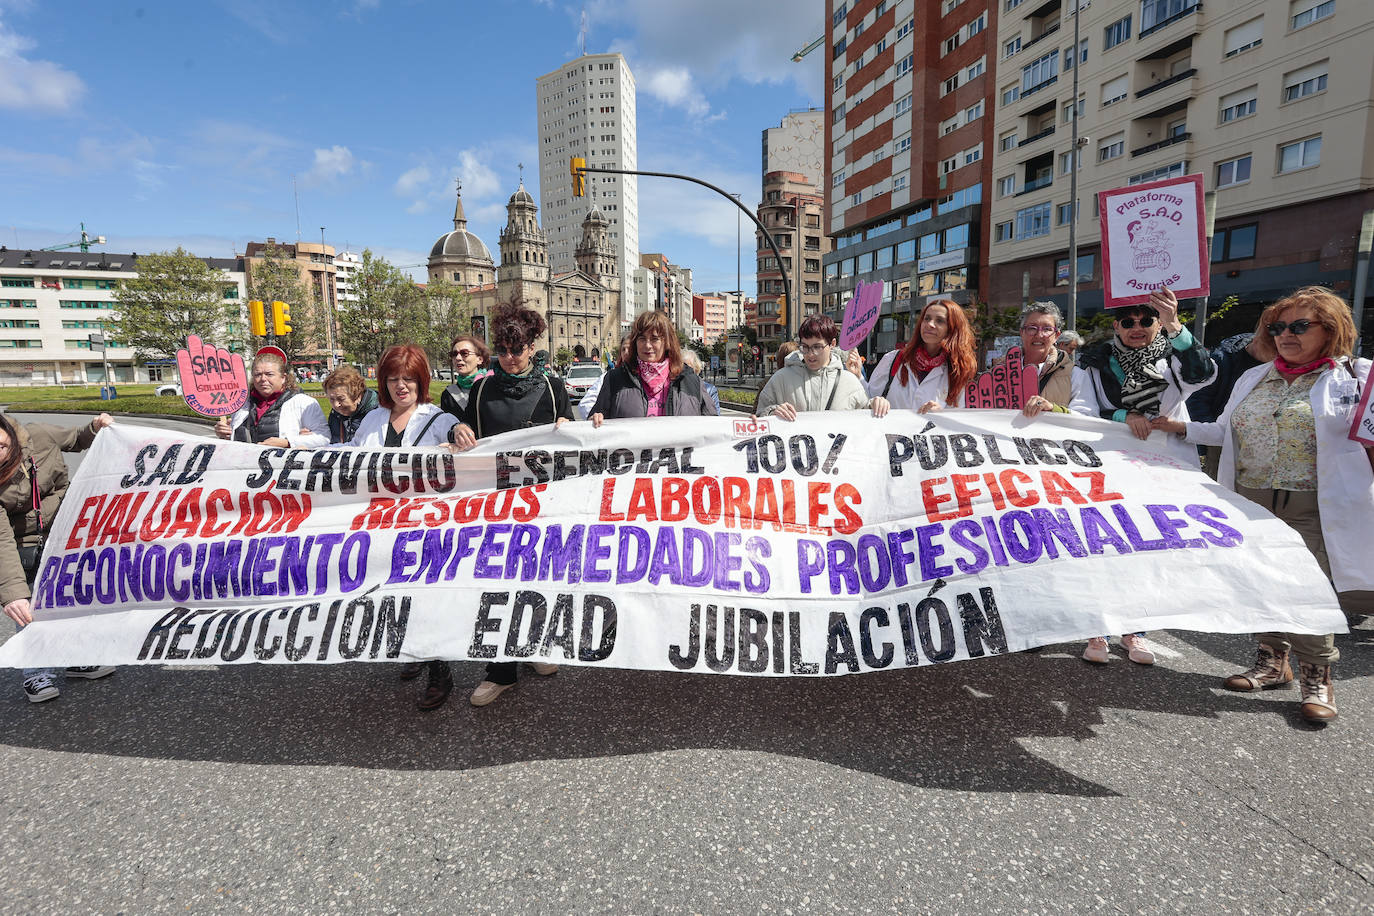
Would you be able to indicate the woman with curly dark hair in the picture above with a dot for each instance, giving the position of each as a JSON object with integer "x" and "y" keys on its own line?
{"x": 934, "y": 367}
{"x": 517, "y": 395}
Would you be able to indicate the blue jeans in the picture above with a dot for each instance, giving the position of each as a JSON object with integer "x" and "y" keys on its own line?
{"x": 30, "y": 672}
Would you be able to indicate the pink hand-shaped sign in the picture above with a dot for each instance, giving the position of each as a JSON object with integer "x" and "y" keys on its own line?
{"x": 1009, "y": 385}
{"x": 213, "y": 380}
{"x": 861, "y": 314}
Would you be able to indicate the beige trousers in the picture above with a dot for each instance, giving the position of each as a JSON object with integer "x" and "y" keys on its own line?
{"x": 1298, "y": 508}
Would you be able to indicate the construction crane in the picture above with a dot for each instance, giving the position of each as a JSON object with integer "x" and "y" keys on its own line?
{"x": 84, "y": 244}
{"x": 796, "y": 58}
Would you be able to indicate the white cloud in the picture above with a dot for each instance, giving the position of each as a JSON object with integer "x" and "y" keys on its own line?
{"x": 36, "y": 85}
{"x": 479, "y": 180}
{"x": 412, "y": 179}
{"x": 673, "y": 86}
{"x": 329, "y": 166}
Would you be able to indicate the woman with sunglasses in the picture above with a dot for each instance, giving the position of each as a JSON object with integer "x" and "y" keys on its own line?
{"x": 1284, "y": 437}
{"x": 1137, "y": 376}
{"x": 470, "y": 357}
{"x": 516, "y": 395}
{"x": 934, "y": 367}
{"x": 652, "y": 380}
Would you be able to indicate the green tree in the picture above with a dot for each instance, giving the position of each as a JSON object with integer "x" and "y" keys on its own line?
{"x": 174, "y": 295}
{"x": 444, "y": 312}
{"x": 277, "y": 278}
{"x": 375, "y": 320}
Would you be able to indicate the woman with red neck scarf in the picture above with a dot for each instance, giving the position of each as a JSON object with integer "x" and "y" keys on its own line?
{"x": 932, "y": 370}
{"x": 277, "y": 413}
{"x": 652, "y": 381}
{"x": 1285, "y": 445}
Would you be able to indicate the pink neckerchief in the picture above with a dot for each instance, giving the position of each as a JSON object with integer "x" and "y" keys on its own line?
{"x": 1290, "y": 371}
{"x": 655, "y": 379}
{"x": 261, "y": 405}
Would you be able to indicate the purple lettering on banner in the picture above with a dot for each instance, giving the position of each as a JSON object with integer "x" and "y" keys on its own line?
{"x": 597, "y": 552}
{"x": 635, "y": 549}
{"x": 152, "y": 572}
{"x": 697, "y": 565}
{"x": 357, "y": 543}
{"x": 1169, "y": 527}
{"x": 434, "y": 552}
{"x": 1225, "y": 535}
{"x": 928, "y": 552}
{"x": 263, "y": 565}
{"x": 1133, "y": 533}
{"x": 875, "y": 570}
{"x": 82, "y": 590}
{"x": 466, "y": 535}
{"x": 492, "y": 545}
{"x": 1033, "y": 547}
{"x": 810, "y": 562}
{"x": 401, "y": 557}
{"x": 1098, "y": 533}
{"x": 725, "y": 562}
{"x": 180, "y": 555}
{"x": 758, "y": 581}
{"x": 965, "y": 533}
{"x": 666, "y": 561}
{"x": 561, "y": 559}
{"x": 521, "y": 552}
{"x": 1056, "y": 524}
{"x": 900, "y": 557}
{"x": 839, "y": 556}
{"x": 324, "y": 546}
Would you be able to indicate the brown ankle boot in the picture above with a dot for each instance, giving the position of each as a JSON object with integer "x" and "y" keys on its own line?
{"x": 1269, "y": 671}
{"x": 1318, "y": 695}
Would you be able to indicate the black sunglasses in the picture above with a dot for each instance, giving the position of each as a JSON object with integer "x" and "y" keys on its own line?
{"x": 502, "y": 351}
{"x": 1146, "y": 321}
{"x": 1298, "y": 327}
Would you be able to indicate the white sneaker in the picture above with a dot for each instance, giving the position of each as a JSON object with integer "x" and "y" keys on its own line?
{"x": 40, "y": 688}
{"x": 1096, "y": 651}
{"x": 1136, "y": 650}
{"x": 486, "y": 692}
{"x": 544, "y": 668}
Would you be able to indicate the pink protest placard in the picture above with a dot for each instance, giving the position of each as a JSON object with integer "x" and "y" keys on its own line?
{"x": 861, "y": 314}
{"x": 1008, "y": 385}
{"x": 213, "y": 380}
{"x": 1153, "y": 236}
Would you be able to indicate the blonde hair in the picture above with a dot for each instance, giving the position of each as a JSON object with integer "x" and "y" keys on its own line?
{"x": 1331, "y": 312}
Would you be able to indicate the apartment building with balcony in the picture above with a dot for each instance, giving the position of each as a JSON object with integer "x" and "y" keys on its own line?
{"x": 908, "y": 153}
{"x": 1270, "y": 100}
{"x": 792, "y": 210}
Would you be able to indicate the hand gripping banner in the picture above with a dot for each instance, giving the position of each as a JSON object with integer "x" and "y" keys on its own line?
{"x": 837, "y": 544}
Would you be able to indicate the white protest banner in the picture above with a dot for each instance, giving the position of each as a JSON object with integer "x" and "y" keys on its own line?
{"x": 1153, "y": 236}
{"x": 839, "y": 543}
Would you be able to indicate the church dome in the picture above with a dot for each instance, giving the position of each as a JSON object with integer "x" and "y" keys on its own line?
{"x": 460, "y": 244}
{"x": 595, "y": 216}
{"x": 521, "y": 196}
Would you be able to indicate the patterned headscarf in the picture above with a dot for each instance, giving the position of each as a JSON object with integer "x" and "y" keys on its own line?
{"x": 1143, "y": 384}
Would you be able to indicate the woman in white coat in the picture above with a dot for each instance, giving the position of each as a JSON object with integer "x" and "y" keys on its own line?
{"x": 407, "y": 419}
{"x": 278, "y": 413}
{"x": 934, "y": 368}
{"x": 1284, "y": 437}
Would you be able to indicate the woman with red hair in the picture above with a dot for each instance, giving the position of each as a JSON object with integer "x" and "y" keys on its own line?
{"x": 934, "y": 367}
{"x": 409, "y": 419}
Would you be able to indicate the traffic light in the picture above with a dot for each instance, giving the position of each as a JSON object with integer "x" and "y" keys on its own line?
{"x": 257, "y": 324}
{"x": 579, "y": 177}
{"x": 281, "y": 318}
{"x": 782, "y": 310}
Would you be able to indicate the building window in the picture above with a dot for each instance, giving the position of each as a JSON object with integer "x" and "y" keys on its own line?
{"x": 1234, "y": 244}
{"x": 837, "y": 17}
{"x": 1233, "y": 171}
{"x": 838, "y": 114}
{"x": 1243, "y": 37}
{"x": 1237, "y": 105}
{"x": 1002, "y": 232}
{"x": 956, "y": 279}
{"x": 837, "y": 179}
{"x": 1307, "y": 81}
{"x": 1085, "y": 270}
{"x": 1175, "y": 170}
{"x": 856, "y": 198}
{"x": 838, "y": 49}
{"x": 1306, "y": 12}
{"x": 1116, "y": 33}
{"x": 1066, "y": 160}
{"x": 1033, "y": 222}
{"x": 1300, "y": 155}
{"x": 1011, "y": 94}
{"x": 1111, "y": 148}
{"x": 1011, "y": 47}
{"x": 951, "y": 43}
{"x": 903, "y": 144}
{"x": 1082, "y": 54}
{"x": 904, "y": 104}
{"x": 905, "y": 64}
{"x": 973, "y": 154}
{"x": 837, "y": 81}
{"x": 930, "y": 244}
{"x": 17, "y": 282}
{"x": 1040, "y": 73}
{"x": 1158, "y": 12}
{"x": 949, "y": 85}
{"x": 1115, "y": 90}
{"x": 976, "y": 26}
{"x": 1007, "y": 141}
{"x": 905, "y": 28}
{"x": 1006, "y": 186}
{"x": 1068, "y": 110}
{"x": 882, "y": 258}
{"x": 975, "y": 111}
{"x": 899, "y": 182}
{"x": 976, "y": 69}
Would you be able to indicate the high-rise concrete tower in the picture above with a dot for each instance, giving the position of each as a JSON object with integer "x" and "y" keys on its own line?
{"x": 587, "y": 108}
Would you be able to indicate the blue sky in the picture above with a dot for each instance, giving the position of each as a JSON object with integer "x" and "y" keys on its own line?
{"x": 183, "y": 123}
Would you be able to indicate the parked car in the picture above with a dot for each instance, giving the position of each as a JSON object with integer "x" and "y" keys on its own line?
{"x": 172, "y": 390}
{"x": 580, "y": 377}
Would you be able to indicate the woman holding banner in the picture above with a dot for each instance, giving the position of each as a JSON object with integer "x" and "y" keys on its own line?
{"x": 33, "y": 481}
{"x": 1284, "y": 437}
{"x": 517, "y": 395}
{"x": 469, "y": 357}
{"x": 934, "y": 367}
{"x": 652, "y": 381}
{"x": 815, "y": 378}
{"x": 277, "y": 413}
{"x": 349, "y": 401}
{"x": 408, "y": 419}
{"x": 1136, "y": 377}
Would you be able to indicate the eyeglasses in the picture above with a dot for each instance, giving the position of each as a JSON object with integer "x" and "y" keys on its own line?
{"x": 814, "y": 348}
{"x": 1146, "y": 321}
{"x": 459, "y": 354}
{"x": 1298, "y": 327}
{"x": 1038, "y": 330}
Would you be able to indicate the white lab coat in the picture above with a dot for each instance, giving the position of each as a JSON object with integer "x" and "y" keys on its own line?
{"x": 299, "y": 411}
{"x": 372, "y": 430}
{"x": 1345, "y": 483}
{"x": 913, "y": 395}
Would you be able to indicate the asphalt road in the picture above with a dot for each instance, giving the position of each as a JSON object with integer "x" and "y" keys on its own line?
{"x": 1029, "y": 784}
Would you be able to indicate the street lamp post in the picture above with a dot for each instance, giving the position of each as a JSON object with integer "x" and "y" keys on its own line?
{"x": 1074, "y": 155}
{"x": 328, "y": 305}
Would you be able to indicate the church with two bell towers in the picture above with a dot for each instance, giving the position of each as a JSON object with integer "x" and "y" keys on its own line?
{"x": 582, "y": 307}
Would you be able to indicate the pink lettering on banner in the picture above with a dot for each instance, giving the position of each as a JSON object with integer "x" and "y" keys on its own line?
{"x": 861, "y": 314}
{"x": 1008, "y": 385}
